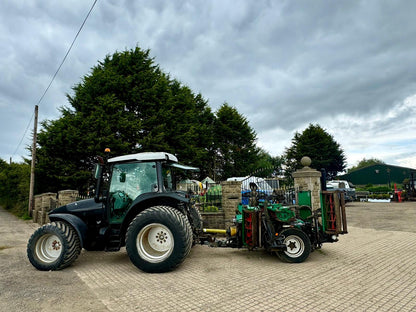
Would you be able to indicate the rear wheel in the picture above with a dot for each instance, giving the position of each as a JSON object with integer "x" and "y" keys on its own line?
{"x": 53, "y": 246}
{"x": 195, "y": 219}
{"x": 158, "y": 239}
{"x": 298, "y": 246}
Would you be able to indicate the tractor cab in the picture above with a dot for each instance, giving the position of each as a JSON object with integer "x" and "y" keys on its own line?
{"x": 135, "y": 179}
{"x": 132, "y": 180}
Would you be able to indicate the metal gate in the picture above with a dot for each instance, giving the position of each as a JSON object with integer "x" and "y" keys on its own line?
{"x": 267, "y": 184}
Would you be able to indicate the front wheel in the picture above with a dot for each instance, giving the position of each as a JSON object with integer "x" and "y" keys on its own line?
{"x": 298, "y": 246}
{"x": 158, "y": 239}
{"x": 53, "y": 246}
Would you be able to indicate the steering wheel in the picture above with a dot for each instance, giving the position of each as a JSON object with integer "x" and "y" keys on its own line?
{"x": 120, "y": 200}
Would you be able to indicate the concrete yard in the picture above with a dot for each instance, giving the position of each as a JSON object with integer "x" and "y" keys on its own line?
{"x": 373, "y": 268}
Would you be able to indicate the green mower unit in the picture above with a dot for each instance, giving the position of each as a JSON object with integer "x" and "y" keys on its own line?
{"x": 292, "y": 232}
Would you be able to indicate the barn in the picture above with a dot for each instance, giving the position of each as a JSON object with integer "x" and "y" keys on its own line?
{"x": 379, "y": 174}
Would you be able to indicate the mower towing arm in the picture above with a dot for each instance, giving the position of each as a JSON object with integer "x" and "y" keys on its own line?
{"x": 79, "y": 225}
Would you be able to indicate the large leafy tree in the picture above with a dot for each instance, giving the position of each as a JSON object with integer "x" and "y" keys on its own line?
{"x": 235, "y": 143}
{"x": 320, "y": 146}
{"x": 128, "y": 104}
{"x": 365, "y": 163}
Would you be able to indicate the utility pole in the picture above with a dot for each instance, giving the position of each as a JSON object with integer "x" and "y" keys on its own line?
{"x": 32, "y": 167}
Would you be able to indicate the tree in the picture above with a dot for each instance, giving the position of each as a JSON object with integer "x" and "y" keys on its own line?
{"x": 365, "y": 163}
{"x": 14, "y": 186}
{"x": 235, "y": 143}
{"x": 267, "y": 166}
{"x": 320, "y": 146}
{"x": 127, "y": 104}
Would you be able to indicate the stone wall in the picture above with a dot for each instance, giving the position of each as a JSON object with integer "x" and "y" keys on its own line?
{"x": 213, "y": 220}
{"x": 231, "y": 198}
{"x": 48, "y": 201}
{"x": 66, "y": 197}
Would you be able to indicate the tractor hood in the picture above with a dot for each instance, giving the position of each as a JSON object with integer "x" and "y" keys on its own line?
{"x": 78, "y": 206}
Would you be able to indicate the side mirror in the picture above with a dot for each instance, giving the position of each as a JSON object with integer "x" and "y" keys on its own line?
{"x": 122, "y": 177}
{"x": 98, "y": 176}
{"x": 97, "y": 171}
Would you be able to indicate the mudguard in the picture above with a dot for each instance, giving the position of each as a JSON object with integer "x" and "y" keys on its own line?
{"x": 79, "y": 225}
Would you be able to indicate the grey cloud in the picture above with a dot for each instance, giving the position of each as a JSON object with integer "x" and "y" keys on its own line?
{"x": 283, "y": 64}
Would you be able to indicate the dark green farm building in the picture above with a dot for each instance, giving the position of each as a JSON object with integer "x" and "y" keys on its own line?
{"x": 379, "y": 174}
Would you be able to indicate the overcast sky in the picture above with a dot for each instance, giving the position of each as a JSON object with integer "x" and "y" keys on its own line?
{"x": 349, "y": 66}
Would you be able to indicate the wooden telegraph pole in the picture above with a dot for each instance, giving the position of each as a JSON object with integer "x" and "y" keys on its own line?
{"x": 32, "y": 168}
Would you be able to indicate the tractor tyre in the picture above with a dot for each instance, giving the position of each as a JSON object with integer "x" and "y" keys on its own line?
{"x": 158, "y": 239}
{"x": 298, "y": 246}
{"x": 195, "y": 219}
{"x": 53, "y": 246}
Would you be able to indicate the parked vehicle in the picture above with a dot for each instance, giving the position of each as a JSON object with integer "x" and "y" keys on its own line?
{"x": 342, "y": 185}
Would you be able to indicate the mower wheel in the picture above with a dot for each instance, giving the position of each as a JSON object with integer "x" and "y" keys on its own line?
{"x": 53, "y": 246}
{"x": 158, "y": 239}
{"x": 298, "y": 246}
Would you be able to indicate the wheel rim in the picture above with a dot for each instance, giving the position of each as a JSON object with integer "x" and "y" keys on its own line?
{"x": 49, "y": 248}
{"x": 294, "y": 246}
{"x": 155, "y": 243}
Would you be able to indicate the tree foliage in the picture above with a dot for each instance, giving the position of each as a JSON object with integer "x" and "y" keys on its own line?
{"x": 127, "y": 104}
{"x": 14, "y": 186}
{"x": 234, "y": 140}
{"x": 320, "y": 146}
{"x": 365, "y": 163}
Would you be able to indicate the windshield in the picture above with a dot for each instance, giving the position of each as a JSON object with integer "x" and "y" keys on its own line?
{"x": 133, "y": 179}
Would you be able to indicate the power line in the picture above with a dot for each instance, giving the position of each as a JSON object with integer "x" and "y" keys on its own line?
{"x": 73, "y": 41}
{"x": 56, "y": 73}
{"x": 24, "y": 134}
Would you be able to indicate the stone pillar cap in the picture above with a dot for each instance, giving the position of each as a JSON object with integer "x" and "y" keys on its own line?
{"x": 306, "y": 161}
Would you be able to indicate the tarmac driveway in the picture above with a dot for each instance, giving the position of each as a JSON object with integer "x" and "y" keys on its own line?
{"x": 373, "y": 268}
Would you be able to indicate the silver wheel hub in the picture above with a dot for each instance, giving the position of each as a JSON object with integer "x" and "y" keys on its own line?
{"x": 155, "y": 243}
{"x": 48, "y": 248}
{"x": 294, "y": 246}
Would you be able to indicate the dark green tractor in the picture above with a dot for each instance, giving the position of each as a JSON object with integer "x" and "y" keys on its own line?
{"x": 136, "y": 205}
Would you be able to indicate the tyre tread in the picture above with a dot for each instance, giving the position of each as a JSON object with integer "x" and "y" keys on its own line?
{"x": 70, "y": 242}
{"x": 160, "y": 213}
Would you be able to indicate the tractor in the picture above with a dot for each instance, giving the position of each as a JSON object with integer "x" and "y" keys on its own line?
{"x": 135, "y": 205}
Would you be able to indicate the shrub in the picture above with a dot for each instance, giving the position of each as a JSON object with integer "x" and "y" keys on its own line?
{"x": 211, "y": 209}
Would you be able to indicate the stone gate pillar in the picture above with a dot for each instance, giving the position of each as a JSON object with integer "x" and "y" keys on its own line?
{"x": 308, "y": 179}
{"x": 231, "y": 197}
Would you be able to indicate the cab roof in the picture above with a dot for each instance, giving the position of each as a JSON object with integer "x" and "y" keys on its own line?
{"x": 146, "y": 156}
